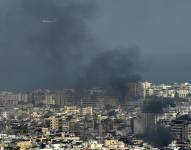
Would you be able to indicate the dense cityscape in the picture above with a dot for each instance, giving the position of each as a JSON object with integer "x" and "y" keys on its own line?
{"x": 150, "y": 117}
{"x": 95, "y": 75}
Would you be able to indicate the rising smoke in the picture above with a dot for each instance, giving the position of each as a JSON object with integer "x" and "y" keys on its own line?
{"x": 48, "y": 44}
{"x": 154, "y": 105}
{"x": 154, "y": 133}
{"x": 114, "y": 70}
{"x": 160, "y": 137}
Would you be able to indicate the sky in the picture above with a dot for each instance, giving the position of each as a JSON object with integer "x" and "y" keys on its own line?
{"x": 55, "y": 43}
{"x": 162, "y": 30}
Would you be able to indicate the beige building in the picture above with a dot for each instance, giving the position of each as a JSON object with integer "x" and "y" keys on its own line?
{"x": 114, "y": 144}
{"x": 55, "y": 123}
{"x": 71, "y": 110}
{"x": 24, "y": 145}
{"x": 87, "y": 111}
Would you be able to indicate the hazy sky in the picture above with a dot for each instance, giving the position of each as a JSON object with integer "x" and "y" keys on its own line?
{"x": 50, "y": 43}
{"x": 162, "y": 29}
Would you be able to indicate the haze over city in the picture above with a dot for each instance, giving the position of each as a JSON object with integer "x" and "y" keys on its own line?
{"x": 160, "y": 28}
{"x": 34, "y": 56}
{"x": 95, "y": 75}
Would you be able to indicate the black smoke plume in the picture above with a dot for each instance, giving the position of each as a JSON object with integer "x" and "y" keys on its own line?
{"x": 161, "y": 137}
{"x": 48, "y": 44}
{"x": 44, "y": 43}
{"x": 155, "y": 133}
{"x": 114, "y": 70}
{"x": 154, "y": 105}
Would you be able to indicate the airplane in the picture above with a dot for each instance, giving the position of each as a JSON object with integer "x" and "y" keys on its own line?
{"x": 48, "y": 20}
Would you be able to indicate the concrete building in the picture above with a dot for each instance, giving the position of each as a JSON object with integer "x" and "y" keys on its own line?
{"x": 66, "y": 97}
{"x": 71, "y": 110}
{"x": 181, "y": 131}
{"x": 8, "y": 99}
{"x": 50, "y": 99}
{"x": 54, "y": 123}
{"x": 23, "y": 97}
{"x": 87, "y": 111}
{"x": 141, "y": 89}
{"x": 182, "y": 93}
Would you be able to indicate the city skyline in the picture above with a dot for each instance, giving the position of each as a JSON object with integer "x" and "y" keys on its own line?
{"x": 94, "y": 74}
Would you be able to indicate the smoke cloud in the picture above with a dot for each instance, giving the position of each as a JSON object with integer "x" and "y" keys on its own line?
{"x": 155, "y": 133}
{"x": 44, "y": 43}
{"x": 161, "y": 137}
{"x": 114, "y": 70}
{"x": 48, "y": 44}
{"x": 154, "y": 105}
